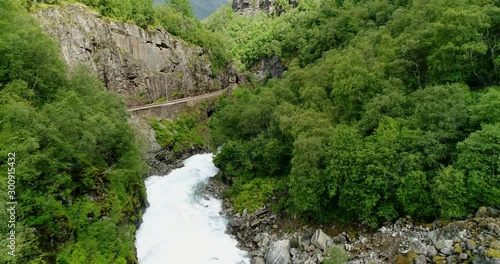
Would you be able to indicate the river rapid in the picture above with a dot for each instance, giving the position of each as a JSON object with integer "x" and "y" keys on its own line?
{"x": 182, "y": 225}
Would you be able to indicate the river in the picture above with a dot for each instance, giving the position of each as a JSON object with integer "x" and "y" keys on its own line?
{"x": 183, "y": 226}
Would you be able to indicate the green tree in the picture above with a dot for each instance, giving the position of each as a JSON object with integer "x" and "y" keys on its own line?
{"x": 182, "y": 6}
{"x": 478, "y": 157}
{"x": 379, "y": 108}
{"x": 487, "y": 109}
{"x": 450, "y": 193}
{"x": 28, "y": 54}
{"x": 414, "y": 195}
{"x": 442, "y": 113}
{"x": 81, "y": 183}
{"x": 306, "y": 185}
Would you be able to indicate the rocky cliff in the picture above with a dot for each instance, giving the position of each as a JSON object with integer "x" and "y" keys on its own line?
{"x": 269, "y": 67}
{"x": 142, "y": 65}
{"x": 253, "y": 7}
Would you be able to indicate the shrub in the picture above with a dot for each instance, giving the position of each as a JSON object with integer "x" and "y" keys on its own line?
{"x": 336, "y": 256}
{"x": 253, "y": 194}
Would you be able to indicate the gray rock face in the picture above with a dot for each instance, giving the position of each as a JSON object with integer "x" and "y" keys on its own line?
{"x": 279, "y": 253}
{"x": 269, "y": 67}
{"x": 253, "y": 7}
{"x": 320, "y": 239}
{"x": 143, "y": 65}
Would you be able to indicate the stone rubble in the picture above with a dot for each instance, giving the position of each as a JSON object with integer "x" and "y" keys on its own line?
{"x": 475, "y": 240}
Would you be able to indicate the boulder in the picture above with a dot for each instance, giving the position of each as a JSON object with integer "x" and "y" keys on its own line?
{"x": 279, "y": 252}
{"x": 245, "y": 213}
{"x": 446, "y": 251}
{"x": 305, "y": 243}
{"x": 320, "y": 239}
{"x": 439, "y": 241}
{"x": 471, "y": 244}
{"x": 258, "y": 260}
{"x": 420, "y": 259}
{"x": 418, "y": 247}
{"x": 487, "y": 212}
{"x": 236, "y": 223}
{"x": 340, "y": 239}
{"x": 431, "y": 251}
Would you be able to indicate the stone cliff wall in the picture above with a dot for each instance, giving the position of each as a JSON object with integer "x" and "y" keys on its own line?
{"x": 253, "y": 7}
{"x": 268, "y": 68}
{"x": 142, "y": 65}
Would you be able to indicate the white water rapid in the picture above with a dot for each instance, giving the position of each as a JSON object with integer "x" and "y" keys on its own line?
{"x": 181, "y": 226}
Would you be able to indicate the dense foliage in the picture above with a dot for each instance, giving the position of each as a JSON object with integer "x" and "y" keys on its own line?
{"x": 176, "y": 18}
{"x": 184, "y": 133}
{"x": 140, "y": 12}
{"x": 78, "y": 171}
{"x": 388, "y": 108}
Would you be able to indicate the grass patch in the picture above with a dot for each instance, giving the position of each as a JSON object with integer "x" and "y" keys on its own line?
{"x": 252, "y": 194}
{"x": 160, "y": 100}
{"x": 336, "y": 255}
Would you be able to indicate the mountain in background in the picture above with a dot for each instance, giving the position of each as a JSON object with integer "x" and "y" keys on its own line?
{"x": 202, "y": 8}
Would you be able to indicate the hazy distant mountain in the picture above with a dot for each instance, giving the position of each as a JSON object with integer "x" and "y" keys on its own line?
{"x": 203, "y": 8}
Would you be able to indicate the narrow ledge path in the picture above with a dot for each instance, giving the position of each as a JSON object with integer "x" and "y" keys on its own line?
{"x": 177, "y": 101}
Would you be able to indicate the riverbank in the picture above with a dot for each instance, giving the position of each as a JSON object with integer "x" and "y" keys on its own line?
{"x": 271, "y": 237}
{"x": 166, "y": 142}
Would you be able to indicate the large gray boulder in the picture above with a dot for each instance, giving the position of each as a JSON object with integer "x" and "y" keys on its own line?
{"x": 420, "y": 260}
{"x": 320, "y": 239}
{"x": 258, "y": 260}
{"x": 279, "y": 252}
{"x": 439, "y": 240}
{"x": 487, "y": 212}
{"x": 431, "y": 251}
{"x": 418, "y": 247}
{"x": 236, "y": 223}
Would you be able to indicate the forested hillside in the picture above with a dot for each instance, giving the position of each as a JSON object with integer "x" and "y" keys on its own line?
{"x": 388, "y": 108}
{"x": 74, "y": 169}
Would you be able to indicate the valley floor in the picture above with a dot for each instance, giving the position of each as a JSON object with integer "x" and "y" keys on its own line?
{"x": 268, "y": 236}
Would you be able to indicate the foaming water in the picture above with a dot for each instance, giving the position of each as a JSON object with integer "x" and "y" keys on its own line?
{"x": 181, "y": 226}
